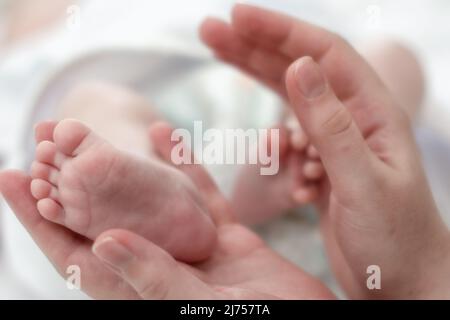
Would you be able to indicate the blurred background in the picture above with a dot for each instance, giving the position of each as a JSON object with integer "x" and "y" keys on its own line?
{"x": 43, "y": 42}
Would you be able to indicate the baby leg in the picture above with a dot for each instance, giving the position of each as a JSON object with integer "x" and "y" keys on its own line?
{"x": 116, "y": 113}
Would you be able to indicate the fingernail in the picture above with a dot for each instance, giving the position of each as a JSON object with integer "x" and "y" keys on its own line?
{"x": 112, "y": 252}
{"x": 310, "y": 80}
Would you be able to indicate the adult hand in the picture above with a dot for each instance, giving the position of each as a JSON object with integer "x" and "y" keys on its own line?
{"x": 376, "y": 205}
{"x": 242, "y": 266}
{"x": 130, "y": 267}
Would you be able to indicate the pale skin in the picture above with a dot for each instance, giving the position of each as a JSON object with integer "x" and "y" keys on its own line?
{"x": 355, "y": 210}
{"x": 377, "y": 188}
{"x": 27, "y": 18}
{"x": 258, "y": 198}
{"x": 129, "y": 115}
{"x": 85, "y": 184}
{"x": 229, "y": 273}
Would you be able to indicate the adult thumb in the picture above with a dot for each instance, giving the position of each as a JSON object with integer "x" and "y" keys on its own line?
{"x": 330, "y": 126}
{"x": 150, "y": 270}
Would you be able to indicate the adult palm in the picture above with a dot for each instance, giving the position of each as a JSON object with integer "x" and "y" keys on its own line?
{"x": 242, "y": 266}
{"x": 375, "y": 184}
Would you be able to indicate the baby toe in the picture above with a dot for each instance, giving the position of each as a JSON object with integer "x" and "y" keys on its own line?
{"x": 41, "y": 189}
{"x": 44, "y": 131}
{"x": 305, "y": 195}
{"x": 47, "y": 153}
{"x": 313, "y": 153}
{"x": 44, "y": 171}
{"x": 50, "y": 210}
{"x": 313, "y": 170}
{"x": 299, "y": 139}
{"x": 70, "y": 136}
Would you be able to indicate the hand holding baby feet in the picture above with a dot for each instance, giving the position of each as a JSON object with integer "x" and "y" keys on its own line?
{"x": 123, "y": 265}
{"x": 85, "y": 184}
{"x": 377, "y": 208}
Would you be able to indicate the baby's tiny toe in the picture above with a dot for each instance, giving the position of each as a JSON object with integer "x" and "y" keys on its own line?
{"x": 299, "y": 140}
{"x": 46, "y": 152}
{"x": 44, "y": 131}
{"x": 69, "y": 136}
{"x": 305, "y": 195}
{"x": 313, "y": 153}
{"x": 50, "y": 210}
{"x": 44, "y": 171}
{"x": 41, "y": 189}
{"x": 313, "y": 170}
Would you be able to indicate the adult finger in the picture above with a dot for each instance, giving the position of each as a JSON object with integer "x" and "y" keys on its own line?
{"x": 258, "y": 36}
{"x": 63, "y": 247}
{"x": 330, "y": 126}
{"x": 267, "y": 67}
{"x": 151, "y": 271}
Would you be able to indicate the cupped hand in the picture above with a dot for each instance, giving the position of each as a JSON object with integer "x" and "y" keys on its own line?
{"x": 241, "y": 267}
{"x": 122, "y": 265}
{"x": 376, "y": 205}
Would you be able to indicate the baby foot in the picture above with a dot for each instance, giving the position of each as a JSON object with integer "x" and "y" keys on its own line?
{"x": 257, "y": 198}
{"x": 303, "y": 163}
{"x": 85, "y": 184}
